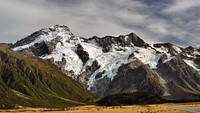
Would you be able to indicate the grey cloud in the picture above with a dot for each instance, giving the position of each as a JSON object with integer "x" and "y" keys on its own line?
{"x": 67, "y": 3}
{"x": 150, "y": 19}
{"x": 178, "y": 41}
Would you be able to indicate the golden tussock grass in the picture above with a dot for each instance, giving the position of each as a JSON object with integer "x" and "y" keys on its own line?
{"x": 156, "y": 108}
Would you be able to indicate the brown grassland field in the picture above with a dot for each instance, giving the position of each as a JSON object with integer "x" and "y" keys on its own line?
{"x": 155, "y": 108}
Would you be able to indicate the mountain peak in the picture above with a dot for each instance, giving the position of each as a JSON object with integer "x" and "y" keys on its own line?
{"x": 59, "y": 28}
{"x": 43, "y": 35}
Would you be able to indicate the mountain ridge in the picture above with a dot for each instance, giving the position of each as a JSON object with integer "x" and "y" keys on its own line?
{"x": 97, "y": 62}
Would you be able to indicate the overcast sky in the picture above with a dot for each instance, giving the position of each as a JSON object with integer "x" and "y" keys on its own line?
{"x": 175, "y": 21}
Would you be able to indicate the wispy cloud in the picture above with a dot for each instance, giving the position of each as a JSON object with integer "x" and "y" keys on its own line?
{"x": 176, "y": 21}
{"x": 182, "y": 5}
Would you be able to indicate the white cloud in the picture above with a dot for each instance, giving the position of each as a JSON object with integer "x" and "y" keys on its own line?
{"x": 182, "y": 5}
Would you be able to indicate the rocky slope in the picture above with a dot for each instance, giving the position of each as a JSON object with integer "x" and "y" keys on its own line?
{"x": 29, "y": 81}
{"x": 123, "y": 64}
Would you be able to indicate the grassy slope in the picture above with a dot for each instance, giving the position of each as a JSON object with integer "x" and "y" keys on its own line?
{"x": 29, "y": 81}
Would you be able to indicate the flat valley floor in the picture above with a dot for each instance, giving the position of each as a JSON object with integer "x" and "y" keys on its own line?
{"x": 155, "y": 108}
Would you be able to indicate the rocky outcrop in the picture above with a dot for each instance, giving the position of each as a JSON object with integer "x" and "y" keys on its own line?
{"x": 122, "y": 40}
{"x": 39, "y": 49}
{"x": 197, "y": 61}
{"x": 83, "y": 55}
{"x": 169, "y": 46}
{"x": 178, "y": 74}
{"x": 83, "y": 78}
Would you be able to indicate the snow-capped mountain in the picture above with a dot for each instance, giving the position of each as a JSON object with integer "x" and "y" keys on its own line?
{"x": 123, "y": 64}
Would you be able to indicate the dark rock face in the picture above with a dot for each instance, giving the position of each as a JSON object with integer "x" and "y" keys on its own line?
{"x": 101, "y": 87}
{"x": 83, "y": 78}
{"x": 171, "y": 50}
{"x": 180, "y": 94}
{"x": 197, "y": 61}
{"x": 135, "y": 40}
{"x": 83, "y": 55}
{"x": 40, "y": 49}
{"x": 131, "y": 77}
{"x": 27, "y": 40}
{"x": 134, "y": 77}
{"x": 162, "y": 58}
{"x": 123, "y": 41}
{"x": 190, "y": 48}
{"x": 184, "y": 76}
{"x": 168, "y": 45}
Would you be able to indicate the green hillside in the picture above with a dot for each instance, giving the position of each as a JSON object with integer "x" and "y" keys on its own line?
{"x": 30, "y": 81}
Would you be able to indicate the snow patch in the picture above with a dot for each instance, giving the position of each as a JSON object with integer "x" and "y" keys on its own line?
{"x": 192, "y": 64}
{"x": 148, "y": 56}
{"x": 177, "y": 49}
{"x": 189, "y": 55}
{"x": 126, "y": 38}
{"x": 47, "y": 36}
{"x": 196, "y": 53}
{"x": 164, "y": 50}
{"x": 93, "y": 50}
{"x": 169, "y": 58}
{"x": 109, "y": 62}
{"x": 66, "y": 51}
